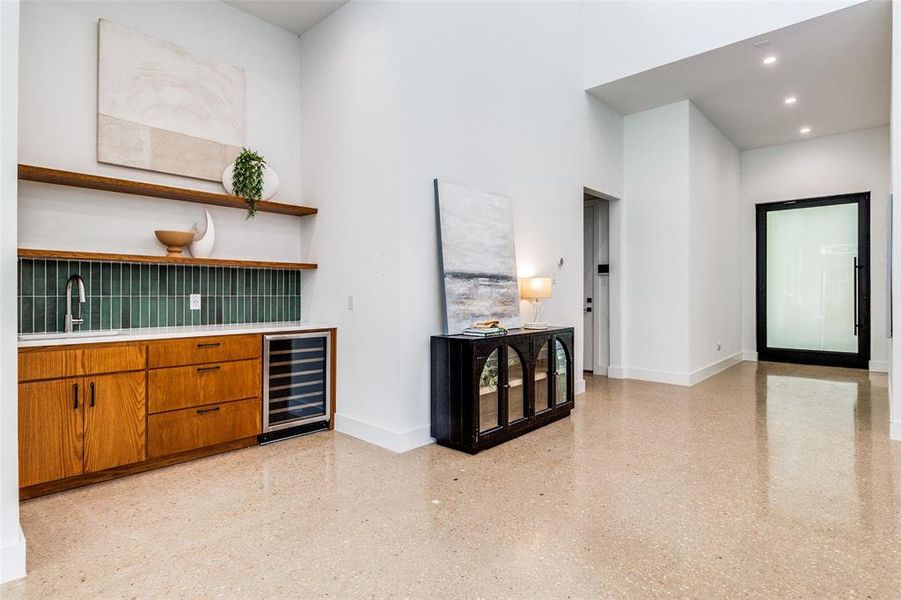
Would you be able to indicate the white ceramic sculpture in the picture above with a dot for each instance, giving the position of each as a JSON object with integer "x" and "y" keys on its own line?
{"x": 202, "y": 246}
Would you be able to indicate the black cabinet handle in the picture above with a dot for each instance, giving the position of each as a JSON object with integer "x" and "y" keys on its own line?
{"x": 92, "y": 393}
{"x": 75, "y": 392}
{"x": 201, "y": 411}
{"x": 209, "y": 345}
{"x": 205, "y": 369}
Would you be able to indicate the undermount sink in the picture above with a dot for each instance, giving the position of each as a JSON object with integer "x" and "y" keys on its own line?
{"x": 58, "y": 335}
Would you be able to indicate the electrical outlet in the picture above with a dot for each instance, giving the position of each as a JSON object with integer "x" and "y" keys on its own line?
{"x": 195, "y": 301}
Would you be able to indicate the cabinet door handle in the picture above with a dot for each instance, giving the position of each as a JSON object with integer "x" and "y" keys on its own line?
{"x": 209, "y": 345}
{"x": 75, "y": 393}
{"x": 92, "y": 393}
{"x": 205, "y": 369}
{"x": 201, "y": 411}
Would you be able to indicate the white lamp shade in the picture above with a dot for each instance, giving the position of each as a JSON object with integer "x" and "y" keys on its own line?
{"x": 535, "y": 288}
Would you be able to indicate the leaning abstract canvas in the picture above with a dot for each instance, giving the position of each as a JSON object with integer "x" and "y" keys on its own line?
{"x": 478, "y": 256}
{"x": 163, "y": 108}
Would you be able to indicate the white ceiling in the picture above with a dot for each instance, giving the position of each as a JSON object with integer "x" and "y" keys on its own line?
{"x": 296, "y": 15}
{"x": 837, "y": 65}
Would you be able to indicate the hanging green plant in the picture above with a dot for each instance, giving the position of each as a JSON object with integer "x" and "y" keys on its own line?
{"x": 247, "y": 178}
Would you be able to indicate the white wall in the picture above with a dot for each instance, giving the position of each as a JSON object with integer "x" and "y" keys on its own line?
{"x": 714, "y": 248}
{"x": 58, "y": 108}
{"x": 12, "y": 543}
{"x": 395, "y": 94}
{"x": 895, "y": 151}
{"x": 850, "y": 162}
{"x": 623, "y": 38}
{"x": 655, "y": 221}
{"x": 681, "y": 283}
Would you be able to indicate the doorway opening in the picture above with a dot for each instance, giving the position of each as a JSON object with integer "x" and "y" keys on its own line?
{"x": 813, "y": 281}
{"x": 596, "y": 284}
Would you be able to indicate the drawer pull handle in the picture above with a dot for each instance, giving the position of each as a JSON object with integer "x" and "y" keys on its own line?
{"x": 210, "y": 345}
{"x": 75, "y": 392}
{"x": 205, "y": 369}
{"x": 201, "y": 411}
{"x": 92, "y": 393}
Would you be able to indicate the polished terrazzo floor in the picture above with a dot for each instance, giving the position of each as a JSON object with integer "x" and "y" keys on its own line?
{"x": 768, "y": 481}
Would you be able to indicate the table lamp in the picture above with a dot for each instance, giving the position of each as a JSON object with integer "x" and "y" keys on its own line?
{"x": 534, "y": 289}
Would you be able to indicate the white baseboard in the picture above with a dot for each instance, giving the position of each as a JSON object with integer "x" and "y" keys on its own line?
{"x": 580, "y": 386}
{"x": 12, "y": 559}
{"x": 396, "y": 441}
{"x": 749, "y": 356}
{"x": 895, "y": 430}
{"x": 714, "y": 368}
{"x": 674, "y": 377}
{"x": 880, "y": 366}
{"x": 671, "y": 377}
{"x": 600, "y": 370}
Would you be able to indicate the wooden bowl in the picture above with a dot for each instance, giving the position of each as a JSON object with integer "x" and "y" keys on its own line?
{"x": 174, "y": 241}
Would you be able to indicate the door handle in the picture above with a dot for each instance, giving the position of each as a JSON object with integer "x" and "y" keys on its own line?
{"x": 92, "y": 393}
{"x": 75, "y": 393}
{"x": 856, "y": 300}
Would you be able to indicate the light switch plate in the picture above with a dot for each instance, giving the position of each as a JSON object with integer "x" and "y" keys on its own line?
{"x": 195, "y": 301}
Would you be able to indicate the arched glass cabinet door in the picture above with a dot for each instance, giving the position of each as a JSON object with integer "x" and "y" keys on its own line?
{"x": 489, "y": 397}
{"x": 561, "y": 370}
{"x": 542, "y": 397}
{"x": 516, "y": 386}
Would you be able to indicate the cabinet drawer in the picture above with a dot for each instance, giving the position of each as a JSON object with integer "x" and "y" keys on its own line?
{"x": 196, "y": 351}
{"x": 181, "y": 387}
{"x": 51, "y": 364}
{"x": 177, "y": 431}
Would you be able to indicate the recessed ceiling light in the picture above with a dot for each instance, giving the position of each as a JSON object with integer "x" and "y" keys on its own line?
{"x": 791, "y": 100}
{"x": 769, "y": 60}
{"x": 805, "y": 130}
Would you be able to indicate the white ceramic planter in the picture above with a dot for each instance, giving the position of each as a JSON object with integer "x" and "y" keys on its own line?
{"x": 270, "y": 181}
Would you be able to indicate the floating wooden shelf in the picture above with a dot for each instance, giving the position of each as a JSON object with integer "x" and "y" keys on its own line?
{"x": 138, "y": 188}
{"x": 161, "y": 260}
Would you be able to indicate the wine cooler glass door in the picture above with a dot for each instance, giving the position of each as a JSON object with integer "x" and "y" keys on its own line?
{"x": 296, "y": 380}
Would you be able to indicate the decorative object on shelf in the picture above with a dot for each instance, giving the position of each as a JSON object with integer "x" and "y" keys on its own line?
{"x": 485, "y": 329}
{"x": 202, "y": 246}
{"x": 536, "y": 289}
{"x": 250, "y": 177}
{"x": 175, "y": 241}
{"x": 478, "y": 256}
{"x": 164, "y": 108}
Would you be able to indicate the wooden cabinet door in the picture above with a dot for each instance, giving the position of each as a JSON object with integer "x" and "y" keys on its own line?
{"x": 51, "y": 430}
{"x": 115, "y": 409}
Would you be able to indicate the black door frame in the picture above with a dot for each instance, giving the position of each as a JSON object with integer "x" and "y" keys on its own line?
{"x": 859, "y": 359}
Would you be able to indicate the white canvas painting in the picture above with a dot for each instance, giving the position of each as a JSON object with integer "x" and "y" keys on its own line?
{"x": 478, "y": 257}
{"x": 164, "y": 108}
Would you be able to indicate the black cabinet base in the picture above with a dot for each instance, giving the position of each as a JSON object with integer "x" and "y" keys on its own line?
{"x": 539, "y": 422}
{"x": 281, "y": 434}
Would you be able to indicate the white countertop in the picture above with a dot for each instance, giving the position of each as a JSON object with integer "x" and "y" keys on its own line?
{"x": 161, "y": 333}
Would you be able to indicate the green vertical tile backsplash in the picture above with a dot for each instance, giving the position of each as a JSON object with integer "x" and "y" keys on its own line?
{"x": 129, "y": 295}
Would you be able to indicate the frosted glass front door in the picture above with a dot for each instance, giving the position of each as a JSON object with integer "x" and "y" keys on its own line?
{"x": 810, "y": 275}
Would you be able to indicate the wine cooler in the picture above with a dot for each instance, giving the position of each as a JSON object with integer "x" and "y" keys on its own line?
{"x": 296, "y": 385}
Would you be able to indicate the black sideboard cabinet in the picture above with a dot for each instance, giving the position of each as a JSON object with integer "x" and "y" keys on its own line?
{"x": 486, "y": 391}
